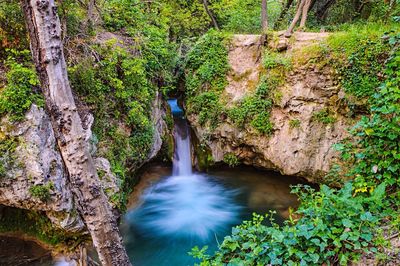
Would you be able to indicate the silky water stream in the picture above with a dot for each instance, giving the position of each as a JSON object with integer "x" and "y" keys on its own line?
{"x": 178, "y": 211}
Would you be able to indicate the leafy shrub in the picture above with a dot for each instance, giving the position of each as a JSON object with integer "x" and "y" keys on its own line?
{"x": 231, "y": 159}
{"x": 376, "y": 153}
{"x": 206, "y": 64}
{"x": 323, "y": 116}
{"x": 332, "y": 222}
{"x": 207, "y": 106}
{"x": 254, "y": 111}
{"x": 41, "y": 192}
{"x": 19, "y": 93}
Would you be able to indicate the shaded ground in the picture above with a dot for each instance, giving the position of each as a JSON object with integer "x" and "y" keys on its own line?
{"x": 18, "y": 252}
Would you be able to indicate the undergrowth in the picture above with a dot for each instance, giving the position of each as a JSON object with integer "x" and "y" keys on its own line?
{"x": 206, "y": 67}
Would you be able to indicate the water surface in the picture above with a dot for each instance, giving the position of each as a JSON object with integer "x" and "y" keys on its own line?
{"x": 179, "y": 210}
{"x": 176, "y": 213}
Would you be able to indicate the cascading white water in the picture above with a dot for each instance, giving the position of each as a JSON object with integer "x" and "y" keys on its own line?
{"x": 193, "y": 209}
{"x": 181, "y": 211}
{"x": 182, "y": 163}
{"x": 185, "y": 204}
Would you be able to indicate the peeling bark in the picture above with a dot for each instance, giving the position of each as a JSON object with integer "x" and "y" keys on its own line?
{"x": 302, "y": 10}
{"x": 296, "y": 18}
{"x": 306, "y": 7}
{"x": 44, "y": 30}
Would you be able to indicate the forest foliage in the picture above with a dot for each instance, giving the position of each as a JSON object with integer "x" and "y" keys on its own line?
{"x": 153, "y": 47}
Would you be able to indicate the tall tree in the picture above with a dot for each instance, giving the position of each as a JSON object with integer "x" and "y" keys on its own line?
{"x": 302, "y": 9}
{"x": 210, "y": 14}
{"x": 264, "y": 16}
{"x": 44, "y": 30}
{"x": 306, "y": 7}
{"x": 322, "y": 11}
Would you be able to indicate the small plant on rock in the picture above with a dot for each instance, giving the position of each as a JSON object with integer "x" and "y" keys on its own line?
{"x": 231, "y": 159}
{"x": 42, "y": 192}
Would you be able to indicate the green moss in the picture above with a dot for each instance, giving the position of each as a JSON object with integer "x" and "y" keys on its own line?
{"x": 101, "y": 173}
{"x": 272, "y": 60}
{"x": 42, "y": 192}
{"x": 204, "y": 157}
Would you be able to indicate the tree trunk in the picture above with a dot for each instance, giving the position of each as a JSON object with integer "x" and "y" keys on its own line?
{"x": 283, "y": 13}
{"x": 296, "y": 18}
{"x": 264, "y": 16}
{"x": 210, "y": 14}
{"x": 322, "y": 12}
{"x": 44, "y": 30}
{"x": 313, "y": 2}
{"x": 306, "y": 7}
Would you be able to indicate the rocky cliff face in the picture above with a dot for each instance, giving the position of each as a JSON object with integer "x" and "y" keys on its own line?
{"x": 33, "y": 176}
{"x": 308, "y": 117}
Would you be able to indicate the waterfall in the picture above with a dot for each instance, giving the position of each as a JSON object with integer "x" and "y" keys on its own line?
{"x": 182, "y": 162}
{"x": 182, "y": 210}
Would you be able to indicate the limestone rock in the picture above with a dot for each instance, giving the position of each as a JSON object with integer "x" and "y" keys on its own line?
{"x": 37, "y": 162}
{"x": 305, "y": 150}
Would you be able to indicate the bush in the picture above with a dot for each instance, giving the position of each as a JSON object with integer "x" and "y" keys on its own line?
{"x": 206, "y": 64}
{"x": 254, "y": 111}
{"x": 231, "y": 159}
{"x": 332, "y": 222}
{"x": 19, "y": 93}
